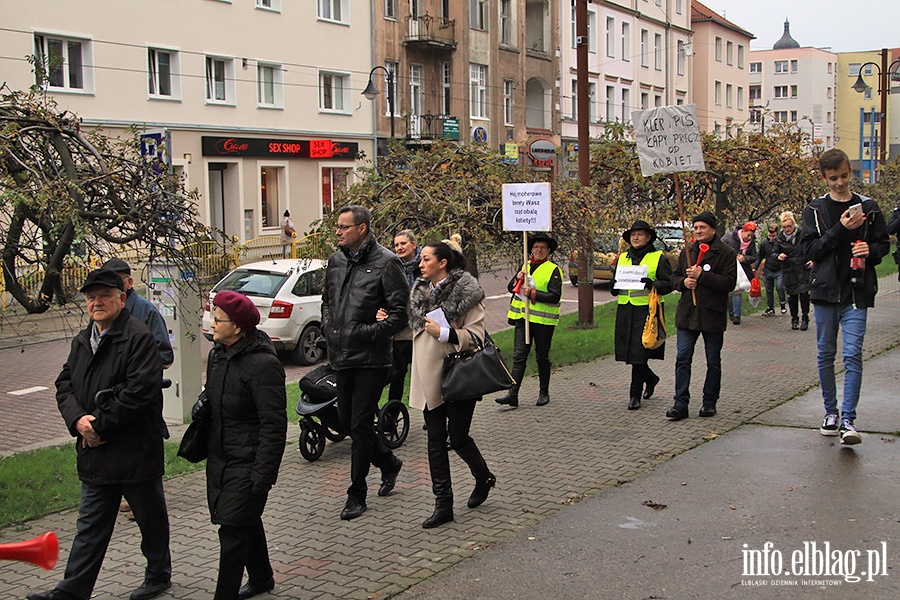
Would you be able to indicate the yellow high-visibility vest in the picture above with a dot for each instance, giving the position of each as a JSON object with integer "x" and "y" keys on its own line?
{"x": 640, "y": 297}
{"x": 538, "y": 312}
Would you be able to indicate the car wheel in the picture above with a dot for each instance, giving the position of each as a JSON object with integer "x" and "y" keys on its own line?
{"x": 307, "y": 351}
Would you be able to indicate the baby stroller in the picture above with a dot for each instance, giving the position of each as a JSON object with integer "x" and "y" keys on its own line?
{"x": 319, "y": 419}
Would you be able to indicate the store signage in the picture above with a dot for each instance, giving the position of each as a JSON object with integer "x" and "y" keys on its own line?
{"x": 542, "y": 153}
{"x": 269, "y": 148}
{"x": 451, "y": 128}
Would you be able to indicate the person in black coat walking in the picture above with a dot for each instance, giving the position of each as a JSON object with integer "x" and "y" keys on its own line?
{"x": 110, "y": 395}
{"x": 795, "y": 270}
{"x": 633, "y": 309}
{"x": 248, "y": 425}
{"x": 772, "y": 271}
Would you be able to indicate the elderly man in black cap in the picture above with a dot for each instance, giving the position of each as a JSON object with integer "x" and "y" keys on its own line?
{"x": 705, "y": 283}
{"x": 540, "y": 284}
{"x": 110, "y": 395}
{"x": 144, "y": 310}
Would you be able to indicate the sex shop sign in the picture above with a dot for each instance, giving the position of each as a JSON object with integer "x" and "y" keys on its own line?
{"x": 278, "y": 148}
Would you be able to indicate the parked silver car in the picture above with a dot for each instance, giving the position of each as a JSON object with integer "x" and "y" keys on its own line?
{"x": 288, "y": 294}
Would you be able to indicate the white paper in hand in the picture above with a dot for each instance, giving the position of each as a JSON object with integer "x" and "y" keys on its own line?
{"x": 438, "y": 316}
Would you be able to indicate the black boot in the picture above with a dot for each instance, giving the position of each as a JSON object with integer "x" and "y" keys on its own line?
{"x": 439, "y": 465}
{"x": 795, "y": 323}
{"x": 484, "y": 479}
{"x": 804, "y": 323}
{"x": 511, "y": 398}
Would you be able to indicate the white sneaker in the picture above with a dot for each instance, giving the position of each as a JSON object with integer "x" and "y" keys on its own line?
{"x": 849, "y": 435}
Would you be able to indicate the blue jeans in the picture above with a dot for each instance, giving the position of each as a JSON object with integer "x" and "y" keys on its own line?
{"x": 735, "y": 304}
{"x": 774, "y": 282}
{"x": 686, "y": 341}
{"x": 852, "y": 323}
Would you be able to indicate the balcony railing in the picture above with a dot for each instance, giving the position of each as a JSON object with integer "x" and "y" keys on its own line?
{"x": 427, "y": 127}
{"x": 435, "y": 32}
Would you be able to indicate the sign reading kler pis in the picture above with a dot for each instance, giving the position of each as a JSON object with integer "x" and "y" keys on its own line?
{"x": 668, "y": 139}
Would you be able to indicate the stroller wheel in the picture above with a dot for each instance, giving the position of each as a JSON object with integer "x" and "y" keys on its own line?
{"x": 312, "y": 441}
{"x": 334, "y": 435}
{"x": 393, "y": 424}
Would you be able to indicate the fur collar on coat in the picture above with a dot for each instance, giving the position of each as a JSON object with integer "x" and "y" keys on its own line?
{"x": 457, "y": 296}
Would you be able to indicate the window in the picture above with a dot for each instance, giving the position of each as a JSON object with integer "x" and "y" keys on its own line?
{"x": 657, "y": 52}
{"x": 828, "y": 117}
{"x": 273, "y": 5}
{"x": 390, "y": 9}
{"x": 644, "y": 48}
{"x": 335, "y": 182}
{"x": 756, "y": 67}
{"x": 393, "y": 67}
{"x": 718, "y": 130}
{"x": 755, "y": 116}
{"x": 794, "y": 64}
{"x": 415, "y": 90}
{"x": 645, "y": 100}
{"x": 781, "y": 116}
{"x": 755, "y": 92}
{"x": 657, "y": 101}
{"x": 477, "y": 14}
{"x": 718, "y": 49}
{"x": 679, "y": 6}
{"x": 270, "y": 86}
{"x": 718, "y": 93}
{"x": 220, "y": 80}
{"x": 445, "y": 88}
{"x": 867, "y": 70}
{"x": 781, "y": 66}
{"x": 854, "y": 69}
{"x": 729, "y": 90}
{"x": 333, "y": 89}
{"x": 334, "y": 10}
{"x": 574, "y": 108}
{"x": 740, "y": 56}
{"x": 508, "y": 89}
{"x": 867, "y": 95}
{"x": 592, "y": 31}
{"x": 610, "y": 37}
{"x": 829, "y": 68}
{"x": 478, "y": 91}
{"x": 626, "y": 42}
{"x": 506, "y": 23}
{"x": 610, "y": 103}
{"x": 626, "y": 105}
{"x": 270, "y": 183}
{"x": 781, "y": 91}
{"x": 680, "y": 58}
{"x": 740, "y": 98}
{"x": 162, "y": 74}
{"x": 65, "y": 63}
{"x": 793, "y": 116}
{"x": 793, "y": 91}
{"x": 729, "y": 53}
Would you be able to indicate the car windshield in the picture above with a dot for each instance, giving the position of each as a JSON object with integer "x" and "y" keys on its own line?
{"x": 252, "y": 283}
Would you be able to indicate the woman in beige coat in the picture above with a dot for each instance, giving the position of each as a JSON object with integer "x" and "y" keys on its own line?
{"x": 445, "y": 285}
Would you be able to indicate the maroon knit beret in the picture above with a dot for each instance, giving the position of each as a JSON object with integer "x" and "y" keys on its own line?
{"x": 239, "y": 308}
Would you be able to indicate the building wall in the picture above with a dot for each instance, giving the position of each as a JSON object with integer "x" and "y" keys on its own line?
{"x": 116, "y": 93}
{"x": 716, "y": 114}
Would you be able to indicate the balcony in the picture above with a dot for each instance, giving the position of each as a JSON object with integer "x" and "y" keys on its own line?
{"x": 426, "y": 128}
{"x": 426, "y": 31}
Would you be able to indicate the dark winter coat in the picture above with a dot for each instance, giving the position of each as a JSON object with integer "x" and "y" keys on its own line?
{"x": 713, "y": 287}
{"x": 131, "y": 421}
{"x": 893, "y": 227}
{"x": 248, "y": 426}
{"x": 795, "y": 275}
{"x": 144, "y": 311}
{"x": 356, "y": 286}
{"x": 630, "y": 319}
{"x": 733, "y": 239}
{"x": 767, "y": 253}
{"x": 818, "y": 239}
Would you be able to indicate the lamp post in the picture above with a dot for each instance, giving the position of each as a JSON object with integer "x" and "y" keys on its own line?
{"x": 884, "y": 81}
{"x": 371, "y": 91}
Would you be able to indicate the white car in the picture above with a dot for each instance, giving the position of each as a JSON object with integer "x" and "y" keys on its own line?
{"x": 288, "y": 295}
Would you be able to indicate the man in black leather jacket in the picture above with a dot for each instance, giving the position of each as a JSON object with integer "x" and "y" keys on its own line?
{"x": 362, "y": 277}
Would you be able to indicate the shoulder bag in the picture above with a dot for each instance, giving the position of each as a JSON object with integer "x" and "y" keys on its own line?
{"x": 473, "y": 373}
{"x": 194, "y": 443}
{"x": 654, "y": 334}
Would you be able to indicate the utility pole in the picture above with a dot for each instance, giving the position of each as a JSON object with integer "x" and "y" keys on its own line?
{"x": 585, "y": 242}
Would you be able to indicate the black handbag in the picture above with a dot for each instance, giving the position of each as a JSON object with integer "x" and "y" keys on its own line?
{"x": 195, "y": 441}
{"x": 475, "y": 372}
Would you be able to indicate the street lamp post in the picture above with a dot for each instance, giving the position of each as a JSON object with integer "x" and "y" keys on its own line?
{"x": 884, "y": 82}
{"x": 371, "y": 91}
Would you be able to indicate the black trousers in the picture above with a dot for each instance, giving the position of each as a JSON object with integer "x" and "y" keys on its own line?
{"x": 358, "y": 392}
{"x": 640, "y": 374}
{"x": 803, "y": 300}
{"x": 541, "y": 338}
{"x": 241, "y": 547}
{"x": 402, "y": 359}
{"x": 94, "y": 528}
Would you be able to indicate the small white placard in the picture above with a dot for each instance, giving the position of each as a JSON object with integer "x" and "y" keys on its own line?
{"x": 629, "y": 278}
{"x": 526, "y": 207}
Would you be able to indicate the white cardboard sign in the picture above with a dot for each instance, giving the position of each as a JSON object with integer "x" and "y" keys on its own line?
{"x": 668, "y": 139}
{"x": 526, "y": 207}
{"x": 629, "y": 278}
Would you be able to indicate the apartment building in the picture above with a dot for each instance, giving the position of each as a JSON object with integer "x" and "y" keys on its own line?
{"x": 797, "y": 85}
{"x": 858, "y": 123}
{"x": 477, "y": 71}
{"x": 259, "y": 100}
{"x": 638, "y": 57}
{"x": 721, "y": 77}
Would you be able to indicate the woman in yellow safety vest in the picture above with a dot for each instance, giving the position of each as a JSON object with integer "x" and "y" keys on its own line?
{"x": 542, "y": 287}
{"x": 632, "y": 311}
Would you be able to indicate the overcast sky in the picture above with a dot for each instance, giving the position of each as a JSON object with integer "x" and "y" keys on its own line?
{"x": 843, "y": 25}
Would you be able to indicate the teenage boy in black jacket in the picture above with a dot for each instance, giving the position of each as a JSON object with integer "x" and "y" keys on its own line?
{"x": 845, "y": 235}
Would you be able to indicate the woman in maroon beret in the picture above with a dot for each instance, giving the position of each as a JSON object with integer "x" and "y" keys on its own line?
{"x": 248, "y": 417}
